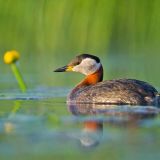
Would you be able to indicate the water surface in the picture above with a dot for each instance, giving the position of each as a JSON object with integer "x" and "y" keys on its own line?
{"x": 39, "y": 124}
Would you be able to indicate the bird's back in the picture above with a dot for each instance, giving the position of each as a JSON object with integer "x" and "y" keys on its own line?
{"x": 121, "y": 91}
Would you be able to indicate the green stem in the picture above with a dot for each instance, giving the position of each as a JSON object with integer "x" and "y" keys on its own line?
{"x": 16, "y": 108}
{"x": 19, "y": 78}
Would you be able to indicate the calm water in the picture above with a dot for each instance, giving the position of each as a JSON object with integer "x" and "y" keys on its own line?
{"x": 40, "y": 125}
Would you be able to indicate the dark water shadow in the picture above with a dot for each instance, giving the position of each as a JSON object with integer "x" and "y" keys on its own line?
{"x": 129, "y": 117}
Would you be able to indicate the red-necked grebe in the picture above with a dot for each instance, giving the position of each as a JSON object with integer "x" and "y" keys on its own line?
{"x": 93, "y": 90}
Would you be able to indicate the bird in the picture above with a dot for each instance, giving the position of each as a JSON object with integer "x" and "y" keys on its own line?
{"x": 93, "y": 90}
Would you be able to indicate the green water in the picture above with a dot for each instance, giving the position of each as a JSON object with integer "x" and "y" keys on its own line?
{"x": 38, "y": 124}
{"x": 44, "y": 127}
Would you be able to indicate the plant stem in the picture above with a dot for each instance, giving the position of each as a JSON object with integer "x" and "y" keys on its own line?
{"x": 19, "y": 78}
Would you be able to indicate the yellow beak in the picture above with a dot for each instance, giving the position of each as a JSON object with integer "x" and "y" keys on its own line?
{"x": 64, "y": 69}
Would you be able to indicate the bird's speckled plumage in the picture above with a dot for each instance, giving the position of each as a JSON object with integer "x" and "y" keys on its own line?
{"x": 121, "y": 91}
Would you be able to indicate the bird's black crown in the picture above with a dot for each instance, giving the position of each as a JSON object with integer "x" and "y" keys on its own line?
{"x": 78, "y": 59}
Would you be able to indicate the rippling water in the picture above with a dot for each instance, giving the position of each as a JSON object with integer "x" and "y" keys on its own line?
{"x": 40, "y": 125}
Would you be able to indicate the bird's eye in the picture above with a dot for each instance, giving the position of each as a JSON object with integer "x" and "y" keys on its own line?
{"x": 77, "y": 63}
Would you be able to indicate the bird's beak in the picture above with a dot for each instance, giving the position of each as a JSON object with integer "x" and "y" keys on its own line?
{"x": 64, "y": 69}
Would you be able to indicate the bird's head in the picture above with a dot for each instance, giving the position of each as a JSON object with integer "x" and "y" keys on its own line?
{"x": 85, "y": 63}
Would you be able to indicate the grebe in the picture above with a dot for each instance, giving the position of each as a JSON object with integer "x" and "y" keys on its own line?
{"x": 93, "y": 90}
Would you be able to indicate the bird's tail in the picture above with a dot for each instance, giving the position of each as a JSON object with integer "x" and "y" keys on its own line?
{"x": 157, "y": 99}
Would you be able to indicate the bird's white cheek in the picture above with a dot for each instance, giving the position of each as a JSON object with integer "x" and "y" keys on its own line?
{"x": 86, "y": 70}
{"x": 77, "y": 69}
{"x": 92, "y": 68}
{"x": 81, "y": 69}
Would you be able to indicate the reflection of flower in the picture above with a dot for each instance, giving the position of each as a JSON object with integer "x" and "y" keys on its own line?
{"x": 8, "y": 127}
{"x": 11, "y": 57}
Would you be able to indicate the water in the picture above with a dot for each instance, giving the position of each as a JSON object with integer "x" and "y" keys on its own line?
{"x": 39, "y": 125}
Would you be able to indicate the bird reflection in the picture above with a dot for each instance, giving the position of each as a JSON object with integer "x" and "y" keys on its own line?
{"x": 91, "y": 133}
{"x": 119, "y": 116}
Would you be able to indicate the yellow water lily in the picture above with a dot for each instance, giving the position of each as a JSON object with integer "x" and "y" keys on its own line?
{"x": 11, "y": 56}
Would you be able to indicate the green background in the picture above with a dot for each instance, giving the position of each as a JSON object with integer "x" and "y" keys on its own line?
{"x": 125, "y": 34}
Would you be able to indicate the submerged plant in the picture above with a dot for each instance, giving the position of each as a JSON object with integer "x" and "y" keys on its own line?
{"x": 10, "y": 57}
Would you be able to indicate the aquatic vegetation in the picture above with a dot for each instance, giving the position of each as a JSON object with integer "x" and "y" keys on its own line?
{"x": 10, "y": 57}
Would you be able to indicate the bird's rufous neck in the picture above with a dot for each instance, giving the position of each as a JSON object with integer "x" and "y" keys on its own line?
{"x": 92, "y": 78}
{"x": 89, "y": 80}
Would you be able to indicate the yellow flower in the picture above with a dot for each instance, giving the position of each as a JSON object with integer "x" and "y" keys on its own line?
{"x": 11, "y": 56}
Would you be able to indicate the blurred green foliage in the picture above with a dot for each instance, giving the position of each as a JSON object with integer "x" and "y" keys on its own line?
{"x": 48, "y": 33}
{"x": 80, "y": 25}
